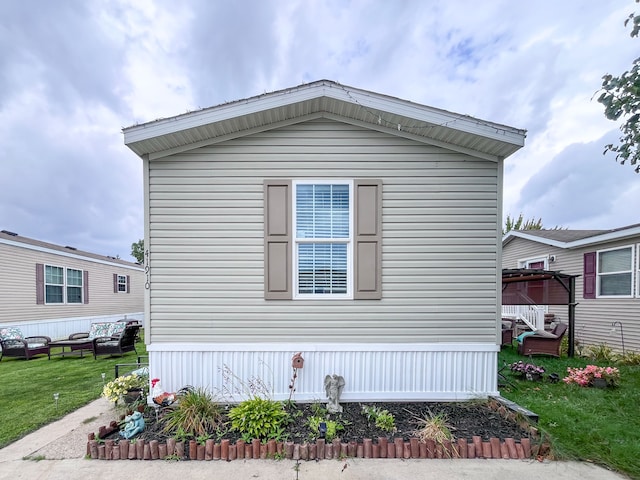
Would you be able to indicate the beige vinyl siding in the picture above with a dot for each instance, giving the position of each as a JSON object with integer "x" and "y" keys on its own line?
{"x": 439, "y": 240}
{"x": 18, "y": 287}
{"x": 593, "y": 316}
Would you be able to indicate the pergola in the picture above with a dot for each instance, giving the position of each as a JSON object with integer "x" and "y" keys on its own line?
{"x": 523, "y": 286}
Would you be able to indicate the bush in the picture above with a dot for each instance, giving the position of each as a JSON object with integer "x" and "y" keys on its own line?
{"x": 333, "y": 427}
{"x": 196, "y": 414}
{"x": 259, "y": 418}
{"x": 381, "y": 417}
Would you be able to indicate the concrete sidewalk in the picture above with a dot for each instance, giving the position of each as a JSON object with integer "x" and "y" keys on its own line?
{"x": 63, "y": 446}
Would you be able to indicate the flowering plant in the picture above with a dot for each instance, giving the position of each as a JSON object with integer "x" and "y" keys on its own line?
{"x": 585, "y": 376}
{"x": 115, "y": 389}
{"x": 526, "y": 369}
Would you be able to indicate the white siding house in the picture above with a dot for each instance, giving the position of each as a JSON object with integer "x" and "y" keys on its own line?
{"x": 358, "y": 229}
{"x": 607, "y": 263}
{"x": 48, "y": 289}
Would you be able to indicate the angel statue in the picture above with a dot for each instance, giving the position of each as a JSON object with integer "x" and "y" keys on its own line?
{"x": 333, "y": 385}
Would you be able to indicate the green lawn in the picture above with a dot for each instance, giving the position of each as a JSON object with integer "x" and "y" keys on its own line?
{"x": 590, "y": 424}
{"x": 601, "y": 426}
{"x": 27, "y": 389}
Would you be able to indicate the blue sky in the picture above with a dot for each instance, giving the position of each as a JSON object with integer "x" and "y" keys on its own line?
{"x": 73, "y": 73}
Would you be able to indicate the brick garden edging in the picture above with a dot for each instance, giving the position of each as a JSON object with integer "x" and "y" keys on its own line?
{"x": 383, "y": 448}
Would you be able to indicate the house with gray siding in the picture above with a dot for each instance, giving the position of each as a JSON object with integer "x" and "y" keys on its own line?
{"x": 55, "y": 290}
{"x": 607, "y": 263}
{"x": 359, "y": 230}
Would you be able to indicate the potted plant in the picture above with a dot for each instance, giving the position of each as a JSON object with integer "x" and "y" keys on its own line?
{"x": 131, "y": 389}
{"x": 593, "y": 376}
{"x": 530, "y": 371}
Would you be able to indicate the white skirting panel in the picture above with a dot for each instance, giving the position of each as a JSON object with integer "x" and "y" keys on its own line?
{"x": 59, "y": 328}
{"x": 372, "y": 372}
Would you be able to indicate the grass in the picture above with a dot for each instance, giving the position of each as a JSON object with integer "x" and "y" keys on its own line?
{"x": 27, "y": 389}
{"x": 595, "y": 425}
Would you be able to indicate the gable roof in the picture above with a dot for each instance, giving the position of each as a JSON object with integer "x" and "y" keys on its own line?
{"x": 10, "y": 238}
{"x": 324, "y": 99}
{"x": 573, "y": 238}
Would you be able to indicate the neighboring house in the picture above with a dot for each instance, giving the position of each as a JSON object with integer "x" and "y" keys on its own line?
{"x": 608, "y": 286}
{"x": 358, "y": 229}
{"x": 51, "y": 290}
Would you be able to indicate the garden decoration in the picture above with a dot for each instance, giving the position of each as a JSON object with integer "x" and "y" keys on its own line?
{"x": 333, "y": 386}
{"x": 134, "y": 424}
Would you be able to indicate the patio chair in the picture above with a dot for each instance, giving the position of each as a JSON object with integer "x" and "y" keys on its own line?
{"x": 117, "y": 344}
{"x": 542, "y": 343}
{"x": 508, "y": 326}
{"x": 15, "y": 344}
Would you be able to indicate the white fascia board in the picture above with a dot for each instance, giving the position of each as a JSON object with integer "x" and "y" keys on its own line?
{"x": 309, "y": 92}
{"x": 76, "y": 256}
{"x": 605, "y": 237}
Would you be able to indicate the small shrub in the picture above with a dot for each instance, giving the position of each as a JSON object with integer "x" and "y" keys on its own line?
{"x": 381, "y": 417}
{"x": 196, "y": 414}
{"x": 259, "y": 418}
{"x": 629, "y": 358}
{"x": 333, "y": 427}
{"x": 600, "y": 353}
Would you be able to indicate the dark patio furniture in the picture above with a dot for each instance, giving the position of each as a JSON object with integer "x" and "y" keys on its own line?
{"x": 76, "y": 346}
{"x": 117, "y": 345}
{"x": 548, "y": 343}
{"x": 14, "y": 344}
{"x": 508, "y": 326}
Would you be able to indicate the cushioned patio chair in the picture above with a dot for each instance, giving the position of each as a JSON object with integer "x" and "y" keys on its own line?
{"x": 542, "y": 343}
{"x": 117, "y": 344}
{"x": 14, "y": 344}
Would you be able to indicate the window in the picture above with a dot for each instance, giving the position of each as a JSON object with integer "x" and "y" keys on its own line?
{"x": 54, "y": 284}
{"x": 322, "y": 239}
{"x": 74, "y": 286}
{"x": 122, "y": 283}
{"x": 323, "y": 243}
{"x": 615, "y": 272}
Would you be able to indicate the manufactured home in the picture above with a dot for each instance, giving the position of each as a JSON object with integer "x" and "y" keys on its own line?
{"x": 55, "y": 290}
{"x": 607, "y": 266}
{"x": 357, "y": 229}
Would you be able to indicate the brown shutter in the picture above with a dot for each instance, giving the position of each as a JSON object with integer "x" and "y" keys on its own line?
{"x": 39, "y": 284}
{"x": 367, "y": 253}
{"x": 277, "y": 240}
{"x": 115, "y": 283}
{"x": 85, "y": 286}
{"x": 128, "y": 284}
{"x": 589, "y": 277}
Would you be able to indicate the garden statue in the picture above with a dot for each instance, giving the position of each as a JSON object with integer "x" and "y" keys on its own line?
{"x": 134, "y": 424}
{"x": 333, "y": 385}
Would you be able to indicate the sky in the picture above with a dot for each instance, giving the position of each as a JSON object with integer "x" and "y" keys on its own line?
{"x": 73, "y": 73}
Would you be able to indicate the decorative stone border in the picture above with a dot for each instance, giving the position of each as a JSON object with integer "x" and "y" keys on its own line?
{"x": 383, "y": 448}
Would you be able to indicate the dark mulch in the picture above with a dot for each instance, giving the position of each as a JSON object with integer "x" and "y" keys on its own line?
{"x": 465, "y": 419}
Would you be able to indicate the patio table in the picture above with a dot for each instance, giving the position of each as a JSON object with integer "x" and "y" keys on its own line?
{"x": 80, "y": 345}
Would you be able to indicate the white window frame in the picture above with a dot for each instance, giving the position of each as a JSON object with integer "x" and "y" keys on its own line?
{"x": 122, "y": 285}
{"x": 631, "y": 271}
{"x": 61, "y": 285}
{"x": 64, "y": 286}
{"x": 296, "y": 241}
{"x": 524, "y": 263}
{"x": 67, "y": 286}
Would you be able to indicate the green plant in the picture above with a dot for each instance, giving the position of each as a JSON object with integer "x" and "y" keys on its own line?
{"x": 628, "y": 358}
{"x": 333, "y": 427}
{"x": 259, "y": 418}
{"x": 197, "y": 413}
{"x": 381, "y": 417}
{"x": 202, "y": 439}
{"x": 116, "y": 389}
{"x": 600, "y": 353}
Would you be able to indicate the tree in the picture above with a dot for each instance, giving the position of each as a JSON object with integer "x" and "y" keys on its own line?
{"x": 137, "y": 250}
{"x": 521, "y": 224}
{"x": 621, "y": 97}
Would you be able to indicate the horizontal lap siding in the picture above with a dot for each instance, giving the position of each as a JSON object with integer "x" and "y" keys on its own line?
{"x": 593, "y": 316}
{"x": 438, "y": 250}
{"x": 18, "y": 287}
